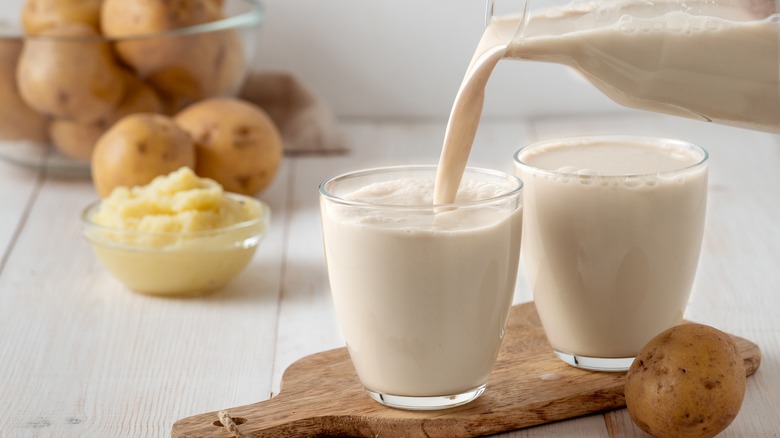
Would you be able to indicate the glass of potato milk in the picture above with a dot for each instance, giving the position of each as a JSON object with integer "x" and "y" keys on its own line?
{"x": 612, "y": 233}
{"x": 422, "y": 292}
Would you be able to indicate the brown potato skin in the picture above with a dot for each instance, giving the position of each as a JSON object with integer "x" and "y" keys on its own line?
{"x": 237, "y": 143}
{"x": 187, "y": 67}
{"x": 138, "y": 148}
{"x": 73, "y": 139}
{"x": 17, "y": 120}
{"x": 218, "y": 70}
{"x": 141, "y": 17}
{"x": 39, "y": 15}
{"x": 77, "y": 140}
{"x": 688, "y": 381}
{"x": 73, "y": 78}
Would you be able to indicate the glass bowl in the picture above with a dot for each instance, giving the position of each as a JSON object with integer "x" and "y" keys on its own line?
{"x": 177, "y": 264}
{"x": 156, "y": 72}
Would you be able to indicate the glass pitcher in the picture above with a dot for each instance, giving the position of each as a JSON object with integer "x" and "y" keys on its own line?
{"x": 715, "y": 60}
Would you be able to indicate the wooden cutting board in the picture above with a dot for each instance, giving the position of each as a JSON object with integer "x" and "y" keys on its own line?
{"x": 321, "y": 396}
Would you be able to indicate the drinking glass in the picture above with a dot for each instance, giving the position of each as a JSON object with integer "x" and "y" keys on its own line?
{"x": 422, "y": 292}
{"x": 612, "y": 232}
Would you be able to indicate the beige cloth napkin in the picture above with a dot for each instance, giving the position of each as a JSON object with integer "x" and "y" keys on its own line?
{"x": 306, "y": 123}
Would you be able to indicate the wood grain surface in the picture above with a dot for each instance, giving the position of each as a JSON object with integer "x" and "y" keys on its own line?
{"x": 321, "y": 395}
{"x": 80, "y": 356}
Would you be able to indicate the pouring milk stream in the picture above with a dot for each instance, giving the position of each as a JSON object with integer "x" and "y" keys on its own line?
{"x": 714, "y": 60}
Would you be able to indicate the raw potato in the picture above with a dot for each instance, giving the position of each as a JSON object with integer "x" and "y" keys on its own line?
{"x": 237, "y": 144}
{"x": 138, "y": 148}
{"x": 17, "y": 120}
{"x": 689, "y": 381}
{"x": 228, "y": 65}
{"x": 217, "y": 70}
{"x": 39, "y": 15}
{"x": 77, "y": 140}
{"x": 186, "y": 66}
{"x": 143, "y": 17}
{"x": 72, "y": 78}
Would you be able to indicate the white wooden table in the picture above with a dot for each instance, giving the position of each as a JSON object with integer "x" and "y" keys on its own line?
{"x": 81, "y": 356}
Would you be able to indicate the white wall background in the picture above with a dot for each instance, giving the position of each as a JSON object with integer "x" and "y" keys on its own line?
{"x": 401, "y": 59}
{"x": 406, "y": 58}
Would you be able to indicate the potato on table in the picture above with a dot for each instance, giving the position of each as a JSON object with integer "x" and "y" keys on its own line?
{"x": 138, "y": 148}
{"x": 688, "y": 381}
{"x": 71, "y": 77}
{"x": 237, "y": 143}
{"x": 17, "y": 120}
{"x": 77, "y": 140}
{"x": 39, "y": 15}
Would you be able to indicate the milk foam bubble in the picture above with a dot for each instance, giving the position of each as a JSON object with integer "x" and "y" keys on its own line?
{"x": 415, "y": 212}
{"x": 417, "y": 192}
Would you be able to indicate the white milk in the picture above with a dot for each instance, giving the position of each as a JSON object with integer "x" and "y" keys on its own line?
{"x": 704, "y": 67}
{"x": 611, "y": 258}
{"x": 708, "y": 68}
{"x": 467, "y": 108}
{"x": 422, "y": 298}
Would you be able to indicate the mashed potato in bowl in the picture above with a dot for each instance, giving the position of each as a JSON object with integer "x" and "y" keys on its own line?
{"x": 178, "y": 235}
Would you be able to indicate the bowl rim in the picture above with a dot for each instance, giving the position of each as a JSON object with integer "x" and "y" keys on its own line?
{"x": 507, "y": 194}
{"x": 263, "y": 218}
{"x": 252, "y": 17}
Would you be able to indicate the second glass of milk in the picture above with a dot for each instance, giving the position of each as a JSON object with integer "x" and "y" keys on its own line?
{"x": 422, "y": 292}
{"x": 612, "y": 233}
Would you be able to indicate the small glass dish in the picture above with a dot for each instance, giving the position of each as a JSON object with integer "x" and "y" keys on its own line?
{"x": 177, "y": 264}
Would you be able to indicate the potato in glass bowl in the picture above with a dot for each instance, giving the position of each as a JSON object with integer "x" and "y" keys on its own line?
{"x": 69, "y": 69}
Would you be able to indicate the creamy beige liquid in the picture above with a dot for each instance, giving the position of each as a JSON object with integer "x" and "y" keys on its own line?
{"x": 702, "y": 67}
{"x": 467, "y": 108}
{"x": 611, "y": 258}
{"x": 422, "y": 298}
{"x": 705, "y": 67}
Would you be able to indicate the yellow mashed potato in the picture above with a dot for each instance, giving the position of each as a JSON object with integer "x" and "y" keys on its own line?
{"x": 178, "y": 235}
{"x": 180, "y": 202}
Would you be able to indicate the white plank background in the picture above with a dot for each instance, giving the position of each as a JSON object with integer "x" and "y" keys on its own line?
{"x": 80, "y": 356}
